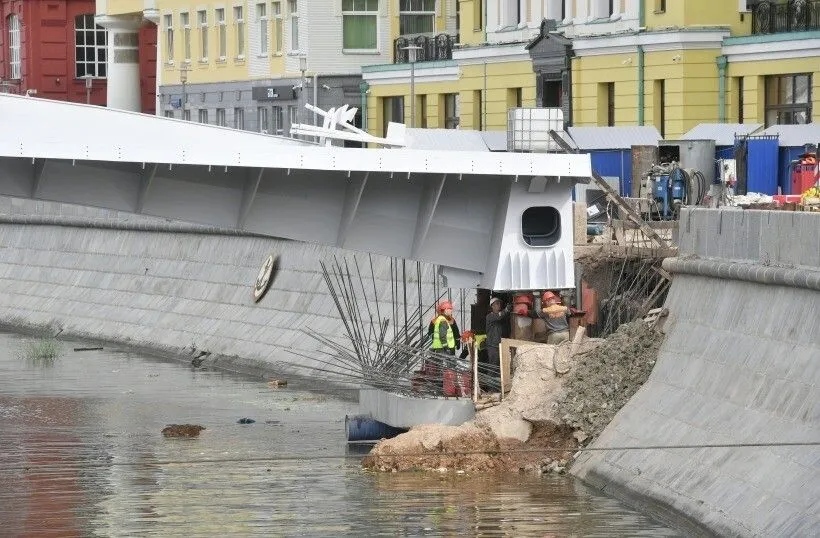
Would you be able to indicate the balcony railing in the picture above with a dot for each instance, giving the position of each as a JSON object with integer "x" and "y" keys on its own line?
{"x": 439, "y": 47}
{"x": 769, "y": 17}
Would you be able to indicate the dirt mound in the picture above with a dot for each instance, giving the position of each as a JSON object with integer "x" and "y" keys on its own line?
{"x": 469, "y": 448}
{"x": 603, "y": 380}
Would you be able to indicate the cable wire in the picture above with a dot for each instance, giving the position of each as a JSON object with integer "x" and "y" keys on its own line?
{"x": 294, "y": 457}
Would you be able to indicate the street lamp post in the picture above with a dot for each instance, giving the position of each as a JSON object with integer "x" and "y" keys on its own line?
{"x": 303, "y": 70}
{"x": 411, "y": 56}
{"x": 88, "y": 83}
{"x": 183, "y": 79}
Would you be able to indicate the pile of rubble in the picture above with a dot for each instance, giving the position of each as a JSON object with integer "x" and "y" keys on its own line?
{"x": 601, "y": 382}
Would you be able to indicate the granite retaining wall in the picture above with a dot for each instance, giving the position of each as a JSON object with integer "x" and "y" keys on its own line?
{"x": 164, "y": 286}
{"x": 740, "y": 364}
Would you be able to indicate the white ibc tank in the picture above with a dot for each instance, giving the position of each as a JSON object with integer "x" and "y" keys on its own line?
{"x": 528, "y": 129}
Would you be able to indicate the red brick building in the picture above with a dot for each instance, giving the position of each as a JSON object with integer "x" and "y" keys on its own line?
{"x": 51, "y": 46}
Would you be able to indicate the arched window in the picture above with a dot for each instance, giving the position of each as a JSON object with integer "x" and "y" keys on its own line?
{"x": 90, "y": 42}
{"x": 15, "y": 72}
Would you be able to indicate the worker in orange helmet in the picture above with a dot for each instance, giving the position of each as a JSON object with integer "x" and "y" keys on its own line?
{"x": 555, "y": 316}
{"x": 444, "y": 330}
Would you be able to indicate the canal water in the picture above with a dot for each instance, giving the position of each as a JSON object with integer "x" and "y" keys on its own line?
{"x": 82, "y": 454}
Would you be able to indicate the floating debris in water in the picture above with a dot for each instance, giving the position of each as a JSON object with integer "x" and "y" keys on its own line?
{"x": 182, "y": 430}
{"x": 88, "y": 349}
{"x": 277, "y": 383}
{"x": 245, "y": 421}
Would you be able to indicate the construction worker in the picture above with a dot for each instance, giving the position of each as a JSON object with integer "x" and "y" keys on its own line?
{"x": 556, "y": 317}
{"x": 495, "y": 328}
{"x": 444, "y": 330}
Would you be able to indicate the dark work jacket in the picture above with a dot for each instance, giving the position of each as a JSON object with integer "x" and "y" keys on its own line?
{"x": 495, "y": 327}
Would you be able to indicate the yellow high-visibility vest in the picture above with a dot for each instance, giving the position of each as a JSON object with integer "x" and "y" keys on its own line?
{"x": 451, "y": 340}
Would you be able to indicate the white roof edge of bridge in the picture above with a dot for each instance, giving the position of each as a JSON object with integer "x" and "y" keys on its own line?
{"x": 50, "y": 129}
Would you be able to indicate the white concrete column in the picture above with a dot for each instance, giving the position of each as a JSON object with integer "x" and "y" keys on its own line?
{"x": 123, "y": 60}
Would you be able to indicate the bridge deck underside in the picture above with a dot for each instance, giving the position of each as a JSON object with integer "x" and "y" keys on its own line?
{"x": 446, "y": 220}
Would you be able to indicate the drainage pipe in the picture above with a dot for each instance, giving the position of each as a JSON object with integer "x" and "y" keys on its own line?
{"x": 363, "y": 87}
{"x": 641, "y": 84}
{"x": 365, "y": 428}
{"x": 641, "y": 77}
{"x": 722, "y": 62}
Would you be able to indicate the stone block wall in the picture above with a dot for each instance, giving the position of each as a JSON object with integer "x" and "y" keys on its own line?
{"x": 162, "y": 286}
{"x": 740, "y": 365}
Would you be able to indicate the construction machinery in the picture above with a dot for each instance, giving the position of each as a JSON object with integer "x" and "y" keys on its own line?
{"x": 668, "y": 187}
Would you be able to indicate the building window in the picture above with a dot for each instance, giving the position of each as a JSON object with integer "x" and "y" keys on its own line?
{"x": 478, "y": 111}
{"x": 541, "y": 226}
{"x": 602, "y": 9}
{"x": 417, "y": 16}
{"x": 421, "y": 107}
{"x": 277, "y": 27}
{"x": 203, "y": 115}
{"x": 293, "y": 9}
{"x": 478, "y": 15}
{"x": 186, "y": 114}
{"x": 262, "y": 23}
{"x": 512, "y": 13}
{"x": 168, "y": 21}
{"x": 660, "y": 106}
{"x": 185, "y": 21}
{"x": 788, "y": 99}
{"x": 15, "y": 64}
{"x": 360, "y": 24}
{"x": 392, "y": 111}
{"x": 740, "y": 99}
{"x": 552, "y": 94}
{"x": 610, "y": 103}
{"x": 169, "y": 113}
{"x": 278, "y": 120}
{"x": 239, "y": 20}
{"x": 451, "y": 110}
{"x": 514, "y": 98}
{"x": 90, "y": 47}
{"x": 293, "y": 115}
{"x": 239, "y": 118}
{"x": 202, "y": 18}
{"x": 262, "y": 119}
{"x": 223, "y": 33}
{"x": 660, "y": 6}
{"x": 220, "y": 117}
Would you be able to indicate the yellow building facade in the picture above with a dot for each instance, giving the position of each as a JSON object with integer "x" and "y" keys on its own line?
{"x": 469, "y": 87}
{"x": 700, "y": 61}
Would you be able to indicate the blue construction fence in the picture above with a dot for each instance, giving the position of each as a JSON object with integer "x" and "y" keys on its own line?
{"x": 614, "y": 163}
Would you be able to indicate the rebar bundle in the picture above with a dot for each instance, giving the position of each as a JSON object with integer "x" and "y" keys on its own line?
{"x": 400, "y": 362}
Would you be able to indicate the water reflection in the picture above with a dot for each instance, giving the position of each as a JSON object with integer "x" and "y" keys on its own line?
{"x": 81, "y": 454}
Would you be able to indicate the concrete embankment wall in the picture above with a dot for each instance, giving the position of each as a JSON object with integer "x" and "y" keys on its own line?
{"x": 161, "y": 286}
{"x": 740, "y": 364}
